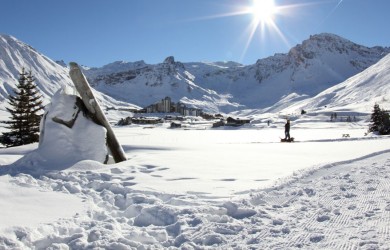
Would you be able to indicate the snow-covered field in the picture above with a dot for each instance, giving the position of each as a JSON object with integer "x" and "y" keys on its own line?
{"x": 209, "y": 189}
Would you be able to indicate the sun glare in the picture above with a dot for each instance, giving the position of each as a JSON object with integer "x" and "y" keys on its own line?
{"x": 263, "y": 21}
{"x": 263, "y": 11}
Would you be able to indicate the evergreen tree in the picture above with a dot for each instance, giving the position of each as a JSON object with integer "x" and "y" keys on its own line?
{"x": 384, "y": 129}
{"x": 380, "y": 121}
{"x": 376, "y": 119}
{"x": 25, "y": 106}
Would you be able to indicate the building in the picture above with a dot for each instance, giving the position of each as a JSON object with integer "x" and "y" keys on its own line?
{"x": 167, "y": 106}
{"x": 164, "y": 106}
{"x": 236, "y": 121}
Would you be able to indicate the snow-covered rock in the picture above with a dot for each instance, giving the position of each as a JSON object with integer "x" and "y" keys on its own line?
{"x": 68, "y": 135}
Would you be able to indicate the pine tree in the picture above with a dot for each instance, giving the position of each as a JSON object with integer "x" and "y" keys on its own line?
{"x": 379, "y": 121}
{"x": 25, "y": 106}
{"x": 384, "y": 129}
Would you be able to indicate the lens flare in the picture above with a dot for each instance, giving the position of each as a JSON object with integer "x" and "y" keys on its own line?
{"x": 264, "y": 20}
{"x": 263, "y": 10}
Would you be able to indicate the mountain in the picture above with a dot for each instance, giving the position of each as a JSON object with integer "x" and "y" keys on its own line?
{"x": 15, "y": 55}
{"x": 357, "y": 94}
{"x": 49, "y": 76}
{"x": 273, "y": 83}
{"x": 320, "y": 62}
{"x": 144, "y": 84}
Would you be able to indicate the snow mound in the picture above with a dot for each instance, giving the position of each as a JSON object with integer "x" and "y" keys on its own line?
{"x": 68, "y": 136}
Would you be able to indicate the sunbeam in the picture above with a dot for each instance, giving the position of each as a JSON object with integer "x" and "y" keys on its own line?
{"x": 332, "y": 11}
{"x": 263, "y": 23}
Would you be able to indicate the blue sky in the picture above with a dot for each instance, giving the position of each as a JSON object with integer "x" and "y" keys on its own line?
{"x": 98, "y": 32}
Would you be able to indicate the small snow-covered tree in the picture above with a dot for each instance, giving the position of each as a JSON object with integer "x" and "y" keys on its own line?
{"x": 25, "y": 105}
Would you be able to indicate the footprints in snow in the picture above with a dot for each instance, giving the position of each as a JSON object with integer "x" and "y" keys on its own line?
{"x": 147, "y": 169}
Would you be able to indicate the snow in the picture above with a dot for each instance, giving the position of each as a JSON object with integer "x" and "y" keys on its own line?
{"x": 357, "y": 94}
{"x": 258, "y": 154}
{"x": 223, "y": 188}
{"x": 23, "y": 204}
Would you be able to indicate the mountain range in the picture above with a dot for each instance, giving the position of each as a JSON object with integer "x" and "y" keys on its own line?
{"x": 320, "y": 63}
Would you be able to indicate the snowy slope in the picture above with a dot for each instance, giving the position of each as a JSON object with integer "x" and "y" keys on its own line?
{"x": 15, "y": 55}
{"x": 309, "y": 68}
{"x": 50, "y": 76}
{"x": 358, "y": 93}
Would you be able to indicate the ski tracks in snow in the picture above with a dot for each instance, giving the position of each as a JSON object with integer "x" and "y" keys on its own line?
{"x": 344, "y": 206}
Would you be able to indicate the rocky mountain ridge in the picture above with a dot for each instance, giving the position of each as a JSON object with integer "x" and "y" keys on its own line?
{"x": 314, "y": 65}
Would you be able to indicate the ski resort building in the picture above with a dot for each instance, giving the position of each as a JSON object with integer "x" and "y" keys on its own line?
{"x": 167, "y": 106}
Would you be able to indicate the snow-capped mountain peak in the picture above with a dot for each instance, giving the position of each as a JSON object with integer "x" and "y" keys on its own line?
{"x": 15, "y": 55}
{"x": 49, "y": 76}
{"x": 318, "y": 63}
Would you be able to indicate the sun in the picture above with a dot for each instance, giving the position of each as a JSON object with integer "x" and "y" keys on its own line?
{"x": 263, "y": 11}
{"x": 263, "y": 16}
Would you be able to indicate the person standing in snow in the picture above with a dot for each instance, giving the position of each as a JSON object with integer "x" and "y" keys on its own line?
{"x": 287, "y": 130}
